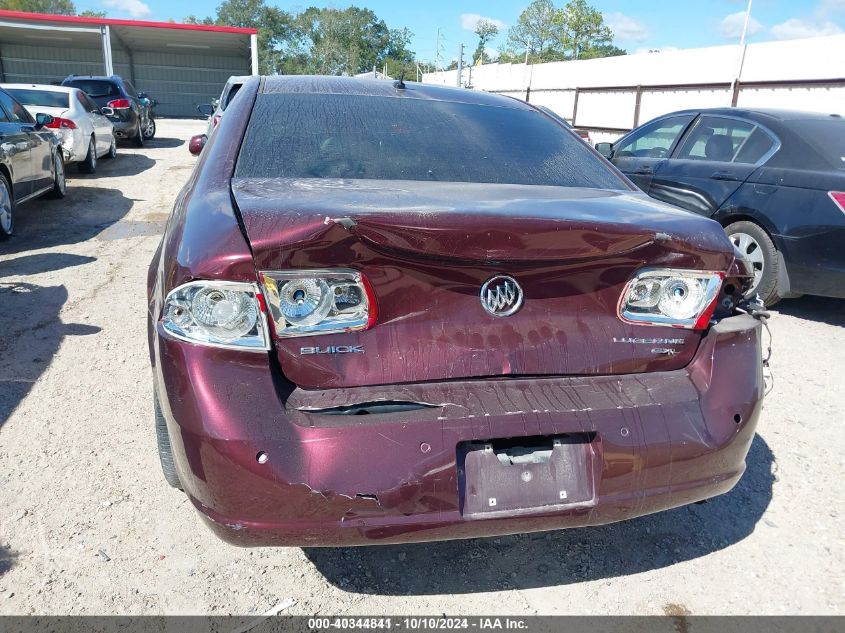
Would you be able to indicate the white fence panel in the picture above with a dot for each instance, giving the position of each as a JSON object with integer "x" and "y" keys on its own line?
{"x": 655, "y": 103}
{"x": 614, "y": 108}
{"x": 816, "y": 98}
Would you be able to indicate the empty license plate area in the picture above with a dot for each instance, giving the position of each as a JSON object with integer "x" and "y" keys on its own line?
{"x": 528, "y": 474}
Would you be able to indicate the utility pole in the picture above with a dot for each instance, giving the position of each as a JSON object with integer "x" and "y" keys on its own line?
{"x": 437, "y": 52}
{"x": 460, "y": 63}
{"x": 742, "y": 47}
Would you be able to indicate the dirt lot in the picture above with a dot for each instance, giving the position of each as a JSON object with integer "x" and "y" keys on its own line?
{"x": 87, "y": 524}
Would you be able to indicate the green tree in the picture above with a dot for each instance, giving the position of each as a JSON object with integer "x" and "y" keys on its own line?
{"x": 486, "y": 31}
{"x": 582, "y": 30}
{"x": 536, "y": 33}
{"x": 350, "y": 41}
{"x": 192, "y": 19}
{"x": 274, "y": 28}
{"x": 605, "y": 50}
{"x": 57, "y": 7}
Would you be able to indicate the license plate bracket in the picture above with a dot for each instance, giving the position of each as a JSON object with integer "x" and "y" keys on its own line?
{"x": 515, "y": 476}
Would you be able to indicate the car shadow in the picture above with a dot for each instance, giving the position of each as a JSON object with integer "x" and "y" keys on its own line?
{"x": 32, "y": 333}
{"x": 126, "y": 163}
{"x": 164, "y": 142}
{"x": 82, "y": 214}
{"x": 557, "y": 558}
{"x": 42, "y": 263}
{"x": 822, "y": 309}
{"x": 7, "y": 559}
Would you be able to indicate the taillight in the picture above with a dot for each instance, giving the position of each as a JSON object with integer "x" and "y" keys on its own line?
{"x": 310, "y": 302}
{"x": 671, "y": 298}
{"x": 217, "y": 313}
{"x": 838, "y": 198}
{"x": 61, "y": 124}
{"x": 215, "y": 121}
{"x": 119, "y": 104}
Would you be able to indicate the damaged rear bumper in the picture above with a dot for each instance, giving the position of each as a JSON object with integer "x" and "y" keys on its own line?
{"x": 266, "y": 464}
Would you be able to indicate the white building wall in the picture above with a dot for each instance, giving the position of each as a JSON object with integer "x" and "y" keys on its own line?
{"x": 554, "y": 84}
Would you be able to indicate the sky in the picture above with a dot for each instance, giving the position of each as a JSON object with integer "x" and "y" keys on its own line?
{"x": 638, "y": 26}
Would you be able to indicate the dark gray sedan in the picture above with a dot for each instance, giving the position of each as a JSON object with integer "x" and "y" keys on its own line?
{"x": 774, "y": 179}
{"x": 30, "y": 160}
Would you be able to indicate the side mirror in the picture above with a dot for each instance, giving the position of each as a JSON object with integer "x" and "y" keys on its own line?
{"x": 205, "y": 109}
{"x": 42, "y": 119}
{"x": 196, "y": 144}
{"x": 605, "y": 149}
{"x": 107, "y": 111}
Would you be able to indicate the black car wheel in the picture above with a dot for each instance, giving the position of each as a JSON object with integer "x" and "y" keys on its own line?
{"x": 89, "y": 165}
{"x": 59, "y": 183}
{"x": 7, "y": 208}
{"x": 165, "y": 453}
{"x": 757, "y": 247}
{"x": 150, "y": 129}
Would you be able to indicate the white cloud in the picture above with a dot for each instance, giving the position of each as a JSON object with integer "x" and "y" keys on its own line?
{"x": 794, "y": 29}
{"x": 135, "y": 8}
{"x": 470, "y": 20}
{"x": 625, "y": 28}
{"x": 731, "y": 26}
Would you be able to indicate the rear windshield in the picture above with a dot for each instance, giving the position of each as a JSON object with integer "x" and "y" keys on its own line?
{"x": 95, "y": 87}
{"x": 394, "y": 138}
{"x": 827, "y": 137}
{"x": 43, "y": 98}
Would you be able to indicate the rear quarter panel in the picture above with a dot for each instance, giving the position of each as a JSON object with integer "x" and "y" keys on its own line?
{"x": 795, "y": 209}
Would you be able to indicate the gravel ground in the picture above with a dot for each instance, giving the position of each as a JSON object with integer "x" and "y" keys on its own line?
{"x": 88, "y": 526}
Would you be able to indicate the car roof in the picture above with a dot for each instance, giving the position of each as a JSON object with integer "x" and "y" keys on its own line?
{"x": 316, "y": 84}
{"x": 764, "y": 115}
{"x": 97, "y": 77}
{"x": 49, "y": 87}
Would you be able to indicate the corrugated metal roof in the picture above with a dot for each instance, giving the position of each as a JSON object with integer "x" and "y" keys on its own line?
{"x": 84, "y": 20}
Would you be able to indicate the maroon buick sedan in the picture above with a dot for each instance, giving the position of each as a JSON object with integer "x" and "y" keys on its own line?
{"x": 386, "y": 312}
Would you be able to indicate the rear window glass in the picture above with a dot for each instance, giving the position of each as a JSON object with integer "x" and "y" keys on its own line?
{"x": 95, "y": 87}
{"x": 43, "y": 98}
{"x": 827, "y": 137}
{"x": 755, "y": 147}
{"x": 394, "y": 138}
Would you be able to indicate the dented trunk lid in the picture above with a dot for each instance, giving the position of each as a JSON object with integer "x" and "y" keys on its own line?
{"x": 427, "y": 248}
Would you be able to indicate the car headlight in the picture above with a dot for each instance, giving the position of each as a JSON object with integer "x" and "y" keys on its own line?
{"x": 670, "y": 297}
{"x": 217, "y": 313}
{"x": 308, "y": 302}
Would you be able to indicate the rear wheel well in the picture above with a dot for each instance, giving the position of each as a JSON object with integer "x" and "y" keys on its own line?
{"x": 739, "y": 217}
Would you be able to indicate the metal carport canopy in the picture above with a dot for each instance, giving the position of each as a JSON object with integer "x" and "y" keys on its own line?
{"x": 180, "y": 65}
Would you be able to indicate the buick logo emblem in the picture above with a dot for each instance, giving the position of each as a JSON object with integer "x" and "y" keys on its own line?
{"x": 501, "y": 296}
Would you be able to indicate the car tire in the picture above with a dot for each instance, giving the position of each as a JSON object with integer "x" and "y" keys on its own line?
{"x": 59, "y": 183}
{"x": 150, "y": 129}
{"x": 89, "y": 165}
{"x": 756, "y": 245}
{"x": 165, "y": 452}
{"x": 112, "y": 153}
{"x": 139, "y": 136}
{"x": 7, "y": 208}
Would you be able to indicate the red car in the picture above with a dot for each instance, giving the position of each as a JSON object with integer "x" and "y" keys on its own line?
{"x": 386, "y": 312}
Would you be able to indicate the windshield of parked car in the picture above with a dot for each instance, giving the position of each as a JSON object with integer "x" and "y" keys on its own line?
{"x": 43, "y": 98}
{"x": 95, "y": 87}
{"x": 826, "y": 136}
{"x": 392, "y": 138}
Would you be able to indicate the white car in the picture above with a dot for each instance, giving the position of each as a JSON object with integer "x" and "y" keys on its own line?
{"x": 83, "y": 130}
{"x": 214, "y": 111}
